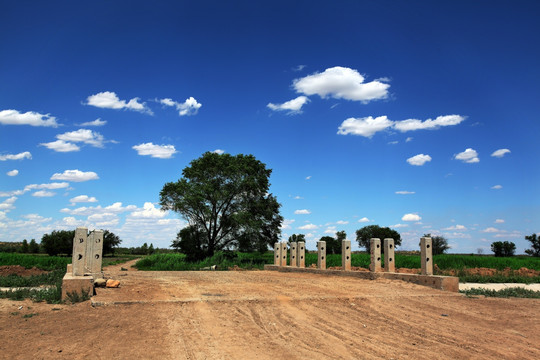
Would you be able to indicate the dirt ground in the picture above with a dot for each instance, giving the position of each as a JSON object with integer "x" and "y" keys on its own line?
{"x": 19, "y": 270}
{"x": 269, "y": 315}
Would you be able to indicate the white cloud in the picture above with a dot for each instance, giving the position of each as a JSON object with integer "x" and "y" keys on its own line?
{"x": 330, "y": 230}
{"x": 149, "y": 212}
{"x": 411, "y": 217}
{"x": 75, "y": 176}
{"x": 85, "y": 136}
{"x": 97, "y": 122}
{"x": 297, "y": 197}
{"x": 499, "y": 221}
{"x": 399, "y": 226}
{"x": 61, "y": 146}
{"x": 404, "y": 192}
{"x": 7, "y": 204}
{"x": 490, "y": 230}
{"x": 109, "y": 100}
{"x": 308, "y": 227}
{"x": 393, "y": 142}
{"x": 429, "y": 124}
{"x": 419, "y": 160}
{"x": 13, "y": 172}
{"x": 302, "y": 212}
{"x": 342, "y": 222}
{"x": 82, "y": 198}
{"x": 13, "y": 117}
{"x": 50, "y": 186}
{"x": 299, "y": 68}
{"x": 115, "y": 208}
{"x": 308, "y": 177}
{"x": 294, "y": 106}
{"x": 366, "y": 126}
{"x": 456, "y": 227}
{"x": 497, "y": 187}
{"x": 155, "y": 151}
{"x": 19, "y": 156}
{"x": 409, "y": 139}
{"x": 43, "y": 193}
{"x": 341, "y": 83}
{"x": 500, "y": 153}
{"x": 469, "y": 156}
{"x": 286, "y": 224}
{"x": 364, "y": 220}
{"x": 219, "y": 151}
{"x": 188, "y": 107}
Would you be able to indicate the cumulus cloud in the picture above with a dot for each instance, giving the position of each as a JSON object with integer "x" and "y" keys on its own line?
{"x": 419, "y": 160}
{"x": 149, "y": 211}
{"x": 219, "y": 151}
{"x": 364, "y": 220}
{"x": 115, "y": 208}
{"x": 188, "y": 107}
{"x": 97, "y": 122}
{"x": 7, "y": 204}
{"x": 411, "y": 217}
{"x": 499, "y": 221}
{"x": 469, "y": 156}
{"x": 50, "y": 186}
{"x": 397, "y": 226}
{"x": 490, "y": 230}
{"x": 109, "y": 100}
{"x": 500, "y": 153}
{"x": 19, "y": 156}
{"x": 330, "y": 230}
{"x": 293, "y": 106}
{"x": 14, "y": 117}
{"x": 456, "y": 227}
{"x": 286, "y": 224}
{"x": 75, "y": 176}
{"x": 341, "y": 83}
{"x": 155, "y": 151}
{"x": 308, "y": 227}
{"x": 404, "y": 192}
{"x": 366, "y": 126}
{"x": 497, "y": 187}
{"x": 342, "y": 222}
{"x": 429, "y": 124}
{"x": 82, "y": 198}
{"x": 13, "y": 172}
{"x": 61, "y": 146}
{"x": 302, "y": 212}
{"x": 65, "y": 142}
{"x": 43, "y": 193}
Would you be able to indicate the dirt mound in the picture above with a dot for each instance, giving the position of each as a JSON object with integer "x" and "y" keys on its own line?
{"x": 19, "y": 270}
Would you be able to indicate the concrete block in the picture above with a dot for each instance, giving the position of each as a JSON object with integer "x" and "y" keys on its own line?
{"x": 301, "y": 254}
{"x": 426, "y": 258}
{"x": 277, "y": 248}
{"x": 389, "y": 255}
{"x": 321, "y": 255}
{"x": 375, "y": 251}
{"x": 283, "y": 254}
{"x": 82, "y": 285}
{"x": 79, "y": 251}
{"x": 94, "y": 256}
{"x": 346, "y": 255}
{"x": 292, "y": 255}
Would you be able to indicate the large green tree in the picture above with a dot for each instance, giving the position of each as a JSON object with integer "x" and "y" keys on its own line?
{"x": 58, "y": 242}
{"x": 439, "y": 244}
{"x": 333, "y": 245}
{"x": 365, "y": 234}
{"x": 535, "y": 245}
{"x": 110, "y": 242}
{"x": 225, "y": 199}
{"x": 503, "y": 248}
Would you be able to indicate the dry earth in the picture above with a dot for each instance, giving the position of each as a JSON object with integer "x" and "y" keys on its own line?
{"x": 269, "y": 315}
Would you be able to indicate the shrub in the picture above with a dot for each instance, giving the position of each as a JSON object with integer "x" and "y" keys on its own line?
{"x": 505, "y": 248}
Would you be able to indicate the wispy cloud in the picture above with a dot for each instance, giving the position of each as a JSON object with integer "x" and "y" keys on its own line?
{"x": 19, "y": 156}
{"x": 497, "y": 187}
{"x": 65, "y": 142}
{"x": 188, "y": 107}
{"x": 97, "y": 122}
{"x": 469, "y": 156}
{"x": 404, "y": 192}
{"x": 302, "y": 212}
{"x": 75, "y": 176}
{"x": 155, "y": 151}
{"x": 293, "y": 106}
{"x": 14, "y": 117}
{"x": 500, "y": 153}
{"x": 308, "y": 227}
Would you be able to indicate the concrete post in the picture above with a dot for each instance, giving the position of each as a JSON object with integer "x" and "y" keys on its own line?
{"x": 346, "y": 255}
{"x": 301, "y": 254}
{"x": 79, "y": 251}
{"x": 96, "y": 256}
{"x": 292, "y": 255}
{"x": 389, "y": 255}
{"x": 321, "y": 255}
{"x": 375, "y": 250}
{"x": 277, "y": 248}
{"x": 426, "y": 258}
{"x": 283, "y": 254}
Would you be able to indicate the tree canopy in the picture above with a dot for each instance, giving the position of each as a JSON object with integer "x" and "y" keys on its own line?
{"x": 334, "y": 245}
{"x": 365, "y": 234}
{"x": 439, "y": 244}
{"x": 503, "y": 248}
{"x": 535, "y": 245}
{"x": 61, "y": 242}
{"x": 225, "y": 199}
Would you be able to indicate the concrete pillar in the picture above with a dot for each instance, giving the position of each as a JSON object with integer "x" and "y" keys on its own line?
{"x": 321, "y": 255}
{"x": 95, "y": 257}
{"x": 78, "y": 258}
{"x": 426, "y": 258}
{"x": 277, "y": 248}
{"x": 375, "y": 250}
{"x": 389, "y": 255}
{"x": 301, "y": 254}
{"x": 283, "y": 254}
{"x": 346, "y": 255}
{"x": 292, "y": 256}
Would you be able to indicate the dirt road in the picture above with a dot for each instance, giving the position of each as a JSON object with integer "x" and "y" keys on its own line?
{"x": 269, "y": 315}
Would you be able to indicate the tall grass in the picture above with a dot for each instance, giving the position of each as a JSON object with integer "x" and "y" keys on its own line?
{"x": 29, "y": 261}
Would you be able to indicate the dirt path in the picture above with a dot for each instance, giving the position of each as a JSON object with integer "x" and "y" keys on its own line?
{"x": 270, "y": 315}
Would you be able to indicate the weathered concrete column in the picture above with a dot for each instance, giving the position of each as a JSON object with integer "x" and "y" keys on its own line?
{"x": 283, "y": 254}
{"x": 375, "y": 250}
{"x": 292, "y": 256}
{"x": 321, "y": 255}
{"x": 301, "y": 254}
{"x": 389, "y": 255}
{"x": 426, "y": 258}
{"x": 277, "y": 248}
{"x": 346, "y": 255}
{"x": 95, "y": 257}
{"x": 78, "y": 258}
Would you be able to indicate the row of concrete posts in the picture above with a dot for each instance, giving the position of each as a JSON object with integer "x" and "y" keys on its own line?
{"x": 297, "y": 253}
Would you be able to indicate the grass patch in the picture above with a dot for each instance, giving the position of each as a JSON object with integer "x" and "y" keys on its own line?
{"x": 38, "y": 261}
{"x": 50, "y": 295}
{"x": 504, "y": 293}
{"x": 77, "y": 297}
{"x": 50, "y": 278}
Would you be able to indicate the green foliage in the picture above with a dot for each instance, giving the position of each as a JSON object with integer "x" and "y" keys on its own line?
{"x": 51, "y": 295}
{"x": 77, "y": 297}
{"x": 365, "y": 234}
{"x": 190, "y": 242}
{"x": 225, "y": 199}
{"x": 333, "y": 245}
{"x": 535, "y": 245}
{"x": 29, "y": 261}
{"x": 24, "y": 247}
{"x": 58, "y": 242}
{"x": 33, "y": 247}
{"x": 110, "y": 242}
{"x": 439, "y": 244}
{"x": 296, "y": 238}
{"x": 505, "y": 293}
{"x": 505, "y": 248}
{"x": 50, "y": 278}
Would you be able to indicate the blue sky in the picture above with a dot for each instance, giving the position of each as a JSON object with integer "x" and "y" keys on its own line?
{"x": 420, "y": 115}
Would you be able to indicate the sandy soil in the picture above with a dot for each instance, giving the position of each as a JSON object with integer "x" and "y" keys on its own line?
{"x": 269, "y": 315}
